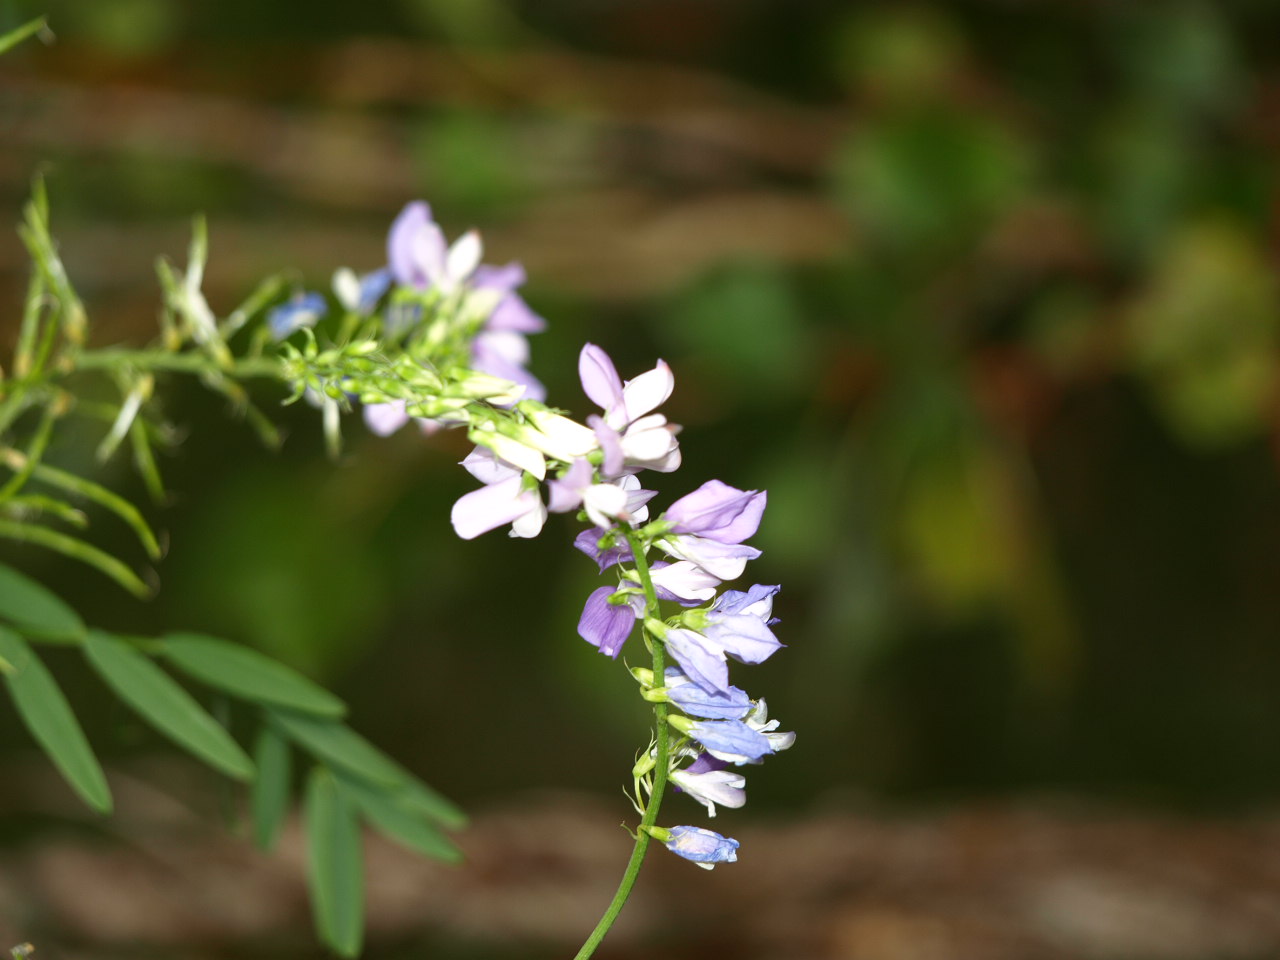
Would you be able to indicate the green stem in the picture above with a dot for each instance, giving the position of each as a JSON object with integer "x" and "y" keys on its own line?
{"x": 662, "y": 736}
{"x": 163, "y": 360}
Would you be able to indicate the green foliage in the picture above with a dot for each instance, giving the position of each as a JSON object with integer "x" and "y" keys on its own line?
{"x": 247, "y": 674}
{"x": 165, "y": 705}
{"x": 14, "y": 37}
{"x": 47, "y": 714}
{"x": 1203, "y": 335}
{"x": 746, "y": 319}
{"x": 363, "y": 784}
{"x": 269, "y": 800}
{"x": 335, "y": 868}
{"x": 34, "y": 609}
{"x": 400, "y": 818}
{"x": 929, "y": 180}
{"x": 286, "y": 596}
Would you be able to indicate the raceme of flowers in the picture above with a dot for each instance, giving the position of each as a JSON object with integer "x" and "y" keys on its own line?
{"x": 463, "y": 326}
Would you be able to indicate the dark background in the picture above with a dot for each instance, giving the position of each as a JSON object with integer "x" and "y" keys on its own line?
{"x": 983, "y": 293}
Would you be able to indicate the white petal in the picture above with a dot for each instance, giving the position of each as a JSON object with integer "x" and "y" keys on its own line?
{"x": 482, "y": 464}
{"x": 427, "y": 249}
{"x": 648, "y": 440}
{"x": 464, "y": 257}
{"x": 530, "y": 524}
{"x": 490, "y": 507}
{"x": 724, "y": 787}
{"x": 687, "y": 580}
{"x": 604, "y": 503}
{"x": 559, "y": 436}
{"x": 648, "y": 391}
{"x": 517, "y": 454}
{"x": 346, "y": 287}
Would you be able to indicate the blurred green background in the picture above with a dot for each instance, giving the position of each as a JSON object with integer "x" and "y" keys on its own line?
{"x": 983, "y": 293}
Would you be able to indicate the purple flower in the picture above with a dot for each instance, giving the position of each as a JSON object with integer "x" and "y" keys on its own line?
{"x": 743, "y": 636}
{"x": 420, "y": 257}
{"x": 756, "y": 602}
{"x": 588, "y": 541}
{"x": 385, "y": 419}
{"x": 303, "y": 310}
{"x": 487, "y": 467}
{"x": 630, "y": 435}
{"x": 706, "y": 848}
{"x": 622, "y": 403}
{"x": 701, "y": 655}
{"x": 606, "y": 625}
{"x": 718, "y": 512}
{"x": 503, "y": 353}
{"x": 702, "y": 661}
{"x": 704, "y": 762}
{"x": 500, "y": 348}
{"x": 731, "y": 740}
{"x": 511, "y": 313}
{"x": 733, "y": 704}
{"x": 605, "y": 503}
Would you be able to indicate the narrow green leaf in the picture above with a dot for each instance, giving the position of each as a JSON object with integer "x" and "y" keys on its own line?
{"x": 397, "y": 820}
{"x": 36, "y": 610}
{"x": 78, "y": 550}
{"x": 336, "y": 743}
{"x": 164, "y": 704}
{"x": 32, "y": 310}
{"x": 15, "y": 37}
{"x": 26, "y": 462}
{"x": 340, "y": 746}
{"x": 335, "y": 867}
{"x": 29, "y": 505}
{"x": 144, "y": 461}
{"x": 263, "y": 294}
{"x": 100, "y": 495}
{"x": 269, "y": 796}
{"x": 246, "y": 673}
{"x": 426, "y": 800}
{"x": 46, "y": 713}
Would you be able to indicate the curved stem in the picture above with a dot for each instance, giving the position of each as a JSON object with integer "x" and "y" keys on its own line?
{"x": 663, "y": 739}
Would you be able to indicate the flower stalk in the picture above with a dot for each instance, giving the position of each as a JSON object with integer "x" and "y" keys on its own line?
{"x": 662, "y": 739}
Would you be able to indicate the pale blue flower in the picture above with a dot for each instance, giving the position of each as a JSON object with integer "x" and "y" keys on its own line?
{"x": 733, "y": 704}
{"x": 706, "y": 848}
{"x": 731, "y": 740}
{"x": 303, "y": 310}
